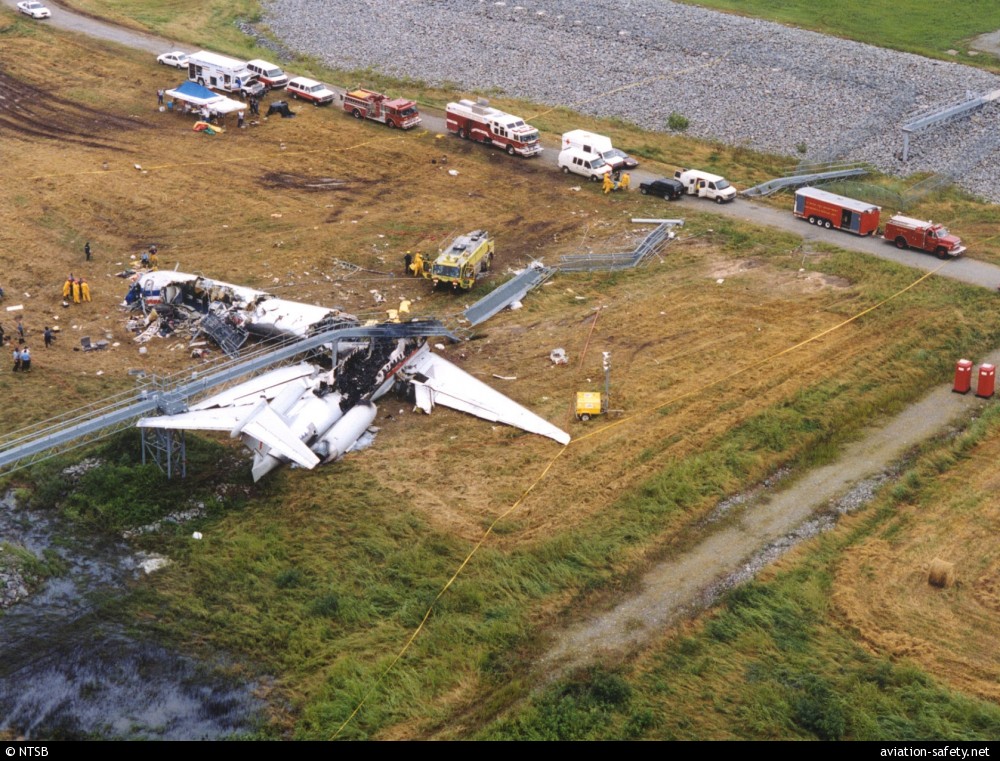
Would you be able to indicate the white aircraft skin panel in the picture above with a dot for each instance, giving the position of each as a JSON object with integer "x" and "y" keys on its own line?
{"x": 265, "y": 386}
{"x": 287, "y": 317}
{"x": 200, "y": 420}
{"x": 455, "y": 388}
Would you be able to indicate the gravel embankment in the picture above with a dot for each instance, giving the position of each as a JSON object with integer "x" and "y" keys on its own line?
{"x": 738, "y": 80}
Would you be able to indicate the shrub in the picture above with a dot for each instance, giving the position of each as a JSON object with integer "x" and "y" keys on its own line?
{"x": 677, "y": 122}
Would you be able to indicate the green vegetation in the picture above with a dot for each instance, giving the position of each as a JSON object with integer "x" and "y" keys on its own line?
{"x": 33, "y": 568}
{"x": 927, "y": 27}
{"x": 121, "y": 493}
{"x": 677, "y": 122}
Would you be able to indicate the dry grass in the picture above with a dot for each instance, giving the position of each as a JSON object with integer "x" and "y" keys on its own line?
{"x": 882, "y": 589}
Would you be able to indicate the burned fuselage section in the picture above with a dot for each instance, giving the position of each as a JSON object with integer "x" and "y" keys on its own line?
{"x": 227, "y": 313}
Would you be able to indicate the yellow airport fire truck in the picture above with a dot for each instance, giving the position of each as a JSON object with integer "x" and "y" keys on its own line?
{"x": 459, "y": 265}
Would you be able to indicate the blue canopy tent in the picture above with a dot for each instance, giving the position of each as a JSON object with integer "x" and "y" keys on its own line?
{"x": 199, "y": 96}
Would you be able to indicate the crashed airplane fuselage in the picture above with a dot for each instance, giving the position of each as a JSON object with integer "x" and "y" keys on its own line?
{"x": 257, "y": 312}
{"x": 316, "y": 411}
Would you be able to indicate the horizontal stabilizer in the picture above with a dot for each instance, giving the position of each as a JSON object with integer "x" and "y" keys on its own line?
{"x": 446, "y": 384}
{"x": 269, "y": 428}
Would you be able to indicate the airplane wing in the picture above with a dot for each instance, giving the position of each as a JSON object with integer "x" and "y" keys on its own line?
{"x": 258, "y": 421}
{"x": 224, "y": 419}
{"x": 267, "y": 386}
{"x": 438, "y": 381}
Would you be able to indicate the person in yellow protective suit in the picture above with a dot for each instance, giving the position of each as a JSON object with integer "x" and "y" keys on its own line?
{"x": 625, "y": 181}
{"x": 609, "y": 184}
{"x": 68, "y": 287}
{"x": 84, "y": 290}
{"x": 76, "y": 291}
{"x": 154, "y": 263}
{"x": 418, "y": 264}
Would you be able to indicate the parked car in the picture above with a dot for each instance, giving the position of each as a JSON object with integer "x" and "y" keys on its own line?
{"x": 177, "y": 59}
{"x": 309, "y": 89}
{"x": 619, "y": 159}
{"x": 666, "y": 188}
{"x": 34, "y": 9}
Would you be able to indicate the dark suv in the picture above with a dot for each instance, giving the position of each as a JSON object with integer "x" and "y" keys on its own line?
{"x": 669, "y": 189}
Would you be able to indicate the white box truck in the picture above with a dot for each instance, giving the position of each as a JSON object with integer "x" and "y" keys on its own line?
{"x": 705, "y": 185}
{"x": 222, "y": 73}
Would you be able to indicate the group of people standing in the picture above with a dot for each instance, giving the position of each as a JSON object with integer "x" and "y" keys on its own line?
{"x": 75, "y": 288}
{"x": 22, "y": 359}
{"x": 148, "y": 259}
{"x": 413, "y": 265}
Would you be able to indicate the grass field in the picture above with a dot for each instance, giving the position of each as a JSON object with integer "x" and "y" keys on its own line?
{"x": 925, "y": 27}
{"x": 320, "y": 578}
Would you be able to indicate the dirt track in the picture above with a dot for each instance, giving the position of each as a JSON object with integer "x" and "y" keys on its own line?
{"x": 683, "y": 583}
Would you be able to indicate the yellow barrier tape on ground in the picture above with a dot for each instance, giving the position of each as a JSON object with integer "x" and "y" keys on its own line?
{"x": 461, "y": 567}
{"x": 603, "y": 429}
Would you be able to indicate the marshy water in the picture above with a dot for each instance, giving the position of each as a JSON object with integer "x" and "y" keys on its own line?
{"x": 70, "y": 669}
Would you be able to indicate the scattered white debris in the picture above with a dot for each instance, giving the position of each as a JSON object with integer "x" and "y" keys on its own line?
{"x": 154, "y": 563}
{"x": 559, "y": 357}
{"x": 142, "y": 350}
{"x": 196, "y": 535}
{"x": 439, "y": 347}
{"x": 16, "y": 308}
{"x": 116, "y": 343}
{"x": 505, "y": 377}
{"x": 720, "y": 281}
{"x": 99, "y": 372}
{"x": 575, "y": 188}
{"x": 137, "y": 167}
{"x": 514, "y": 305}
{"x": 453, "y": 172}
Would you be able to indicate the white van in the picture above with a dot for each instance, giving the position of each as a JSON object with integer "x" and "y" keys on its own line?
{"x": 705, "y": 185}
{"x": 588, "y": 164}
{"x": 590, "y": 142}
{"x": 269, "y": 75}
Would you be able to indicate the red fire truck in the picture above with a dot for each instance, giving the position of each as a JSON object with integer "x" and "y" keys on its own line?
{"x": 907, "y": 232}
{"x": 366, "y": 104}
{"x": 830, "y": 210}
{"x": 479, "y": 122}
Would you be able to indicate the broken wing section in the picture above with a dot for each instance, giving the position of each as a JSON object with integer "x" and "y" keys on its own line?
{"x": 437, "y": 381}
{"x": 265, "y": 386}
